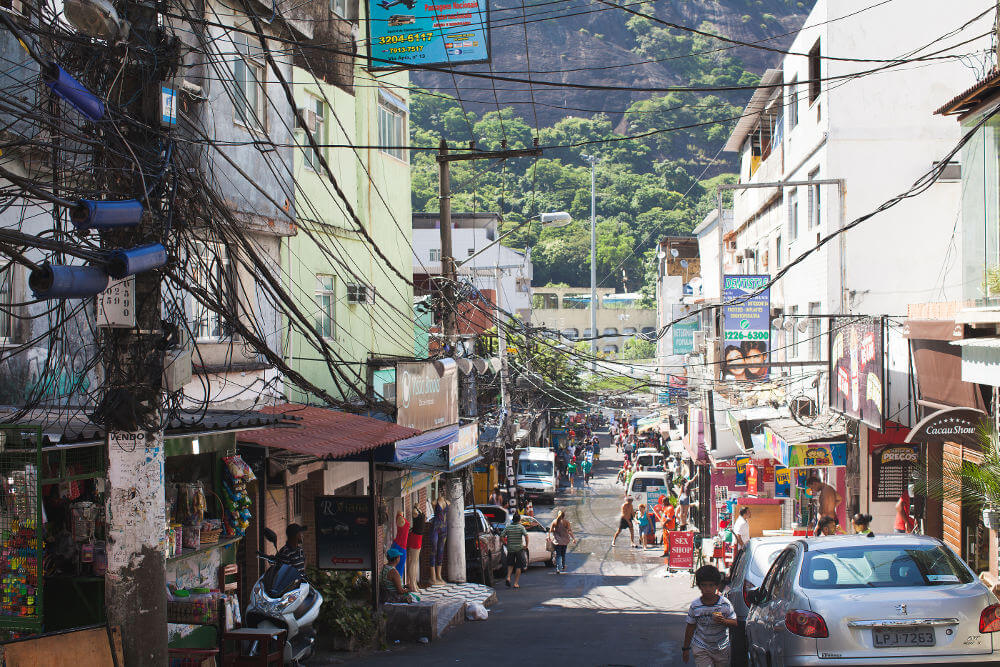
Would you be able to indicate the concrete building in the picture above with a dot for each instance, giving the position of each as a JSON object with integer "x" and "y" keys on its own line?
{"x": 471, "y": 233}
{"x": 566, "y": 310}
{"x": 678, "y": 287}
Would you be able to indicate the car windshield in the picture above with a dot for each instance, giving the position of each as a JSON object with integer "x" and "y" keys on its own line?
{"x": 882, "y": 566}
{"x": 763, "y": 556}
{"x": 534, "y": 467}
{"x": 643, "y": 483}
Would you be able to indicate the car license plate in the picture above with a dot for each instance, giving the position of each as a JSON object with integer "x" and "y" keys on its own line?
{"x": 915, "y": 635}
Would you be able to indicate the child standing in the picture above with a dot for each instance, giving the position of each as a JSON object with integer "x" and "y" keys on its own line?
{"x": 708, "y": 621}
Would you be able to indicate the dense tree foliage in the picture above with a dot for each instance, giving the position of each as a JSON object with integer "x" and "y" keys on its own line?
{"x": 656, "y": 172}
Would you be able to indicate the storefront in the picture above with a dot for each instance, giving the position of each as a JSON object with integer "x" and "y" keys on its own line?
{"x": 805, "y": 452}
{"x": 741, "y": 481}
{"x": 888, "y": 466}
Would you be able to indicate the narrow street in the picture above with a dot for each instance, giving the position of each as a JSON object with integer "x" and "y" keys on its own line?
{"x": 613, "y": 606}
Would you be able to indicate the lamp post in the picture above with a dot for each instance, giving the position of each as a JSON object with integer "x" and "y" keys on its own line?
{"x": 592, "y": 159}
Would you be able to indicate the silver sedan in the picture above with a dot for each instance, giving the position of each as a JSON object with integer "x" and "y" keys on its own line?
{"x": 883, "y": 600}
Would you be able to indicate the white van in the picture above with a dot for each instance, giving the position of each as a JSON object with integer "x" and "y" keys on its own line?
{"x": 536, "y": 473}
{"x": 647, "y": 486}
{"x": 652, "y": 461}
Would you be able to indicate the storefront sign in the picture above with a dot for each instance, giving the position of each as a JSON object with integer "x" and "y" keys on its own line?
{"x": 782, "y": 482}
{"x": 747, "y": 325}
{"x": 682, "y": 332}
{"x": 804, "y": 455}
{"x": 891, "y": 471}
{"x": 427, "y": 394}
{"x": 467, "y": 446}
{"x": 962, "y": 426}
{"x": 856, "y": 370}
{"x": 424, "y": 33}
{"x": 653, "y": 494}
{"x": 741, "y": 470}
{"x": 345, "y": 533}
{"x": 752, "y": 480}
{"x": 680, "y": 554}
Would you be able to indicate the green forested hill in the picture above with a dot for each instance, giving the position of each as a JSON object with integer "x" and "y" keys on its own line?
{"x": 659, "y": 154}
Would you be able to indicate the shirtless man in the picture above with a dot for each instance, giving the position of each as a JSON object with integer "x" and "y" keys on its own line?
{"x": 827, "y": 498}
{"x": 625, "y": 521}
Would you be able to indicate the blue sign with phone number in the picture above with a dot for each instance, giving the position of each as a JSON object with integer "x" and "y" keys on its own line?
{"x": 411, "y": 32}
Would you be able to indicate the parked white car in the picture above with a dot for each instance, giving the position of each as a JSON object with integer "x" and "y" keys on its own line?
{"x": 747, "y": 572}
{"x": 536, "y": 542}
{"x": 882, "y": 600}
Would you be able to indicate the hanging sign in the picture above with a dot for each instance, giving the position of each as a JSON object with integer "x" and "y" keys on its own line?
{"x": 425, "y": 32}
{"x": 963, "y": 426}
{"x": 856, "y": 371}
{"x": 782, "y": 482}
{"x": 747, "y": 325}
{"x": 741, "y": 470}
{"x": 752, "y": 479}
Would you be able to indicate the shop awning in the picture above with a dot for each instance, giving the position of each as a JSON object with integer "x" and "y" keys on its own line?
{"x": 980, "y": 360}
{"x": 418, "y": 444}
{"x": 434, "y": 460}
{"x": 324, "y": 433}
{"x": 796, "y": 446}
{"x": 938, "y": 364}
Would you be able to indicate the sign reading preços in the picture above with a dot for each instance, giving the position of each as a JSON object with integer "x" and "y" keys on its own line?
{"x": 412, "y": 32}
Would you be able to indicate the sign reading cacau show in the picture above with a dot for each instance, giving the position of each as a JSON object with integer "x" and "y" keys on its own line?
{"x": 427, "y": 394}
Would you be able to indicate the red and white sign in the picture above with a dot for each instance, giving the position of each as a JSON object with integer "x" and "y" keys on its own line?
{"x": 752, "y": 478}
{"x": 680, "y": 554}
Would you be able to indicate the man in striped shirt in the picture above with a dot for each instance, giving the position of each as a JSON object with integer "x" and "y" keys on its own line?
{"x": 708, "y": 621}
{"x": 516, "y": 537}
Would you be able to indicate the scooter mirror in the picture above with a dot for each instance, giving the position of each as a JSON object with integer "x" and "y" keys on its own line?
{"x": 270, "y": 536}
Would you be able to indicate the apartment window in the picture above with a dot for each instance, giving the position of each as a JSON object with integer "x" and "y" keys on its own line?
{"x": 793, "y": 104}
{"x": 295, "y": 496}
{"x": 211, "y": 271}
{"x": 391, "y": 125}
{"x": 814, "y": 72}
{"x": 793, "y": 215}
{"x": 814, "y": 199}
{"x": 314, "y": 116}
{"x": 326, "y": 304}
{"x": 777, "y": 253}
{"x": 793, "y": 349}
{"x": 249, "y": 78}
{"x": 7, "y": 305}
{"x": 435, "y": 254}
{"x": 339, "y": 7}
{"x": 815, "y": 333}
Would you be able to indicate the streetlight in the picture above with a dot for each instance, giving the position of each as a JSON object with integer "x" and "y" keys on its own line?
{"x": 592, "y": 159}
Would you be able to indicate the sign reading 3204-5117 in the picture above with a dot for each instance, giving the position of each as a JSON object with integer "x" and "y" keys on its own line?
{"x": 402, "y": 32}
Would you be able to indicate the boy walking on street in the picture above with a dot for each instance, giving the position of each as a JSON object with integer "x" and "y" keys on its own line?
{"x": 708, "y": 621}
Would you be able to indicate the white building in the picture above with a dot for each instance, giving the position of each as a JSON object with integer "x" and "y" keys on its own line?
{"x": 472, "y": 232}
{"x": 865, "y": 139}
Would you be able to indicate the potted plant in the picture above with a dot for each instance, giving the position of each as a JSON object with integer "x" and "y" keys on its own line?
{"x": 346, "y": 619}
{"x": 974, "y": 484}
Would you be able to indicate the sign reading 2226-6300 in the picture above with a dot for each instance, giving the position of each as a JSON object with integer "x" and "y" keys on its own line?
{"x": 417, "y": 32}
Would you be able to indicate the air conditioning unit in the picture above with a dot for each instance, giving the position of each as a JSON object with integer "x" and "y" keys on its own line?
{"x": 363, "y": 294}
{"x": 310, "y": 120}
{"x": 699, "y": 339}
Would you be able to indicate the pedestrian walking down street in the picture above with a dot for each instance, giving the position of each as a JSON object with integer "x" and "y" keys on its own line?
{"x": 516, "y": 537}
{"x": 625, "y": 521}
{"x": 647, "y": 526}
{"x": 587, "y": 466}
{"x": 562, "y": 537}
{"x": 709, "y": 618}
{"x": 571, "y": 472}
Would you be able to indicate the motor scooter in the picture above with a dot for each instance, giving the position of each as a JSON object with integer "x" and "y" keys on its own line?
{"x": 284, "y": 599}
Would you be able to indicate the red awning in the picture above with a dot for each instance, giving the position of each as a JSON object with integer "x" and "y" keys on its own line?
{"x": 325, "y": 433}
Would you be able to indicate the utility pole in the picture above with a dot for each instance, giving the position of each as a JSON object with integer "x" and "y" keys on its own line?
{"x": 135, "y": 583}
{"x": 449, "y": 325}
{"x": 505, "y": 407}
{"x": 592, "y": 159}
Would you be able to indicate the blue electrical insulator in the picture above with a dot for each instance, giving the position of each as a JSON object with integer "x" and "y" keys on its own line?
{"x": 67, "y": 282}
{"x": 65, "y": 86}
{"x": 123, "y": 263}
{"x": 93, "y": 214}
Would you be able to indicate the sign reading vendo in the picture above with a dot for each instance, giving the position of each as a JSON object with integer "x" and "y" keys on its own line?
{"x": 680, "y": 554}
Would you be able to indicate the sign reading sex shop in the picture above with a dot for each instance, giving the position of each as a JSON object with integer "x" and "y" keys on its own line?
{"x": 680, "y": 555}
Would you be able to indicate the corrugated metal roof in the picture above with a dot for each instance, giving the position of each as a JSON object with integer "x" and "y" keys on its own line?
{"x": 987, "y": 342}
{"x": 325, "y": 433}
{"x": 769, "y": 82}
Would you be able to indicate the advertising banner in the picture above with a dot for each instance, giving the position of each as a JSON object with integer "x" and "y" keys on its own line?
{"x": 680, "y": 554}
{"x": 747, "y": 327}
{"x": 856, "y": 370}
{"x": 467, "y": 446}
{"x": 345, "y": 534}
{"x": 817, "y": 454}
{"x": 682, "y": 332}
{"x": 752, "y": 480}
{"x": 653, "y": 494}
{"x": 427, "y": 394}
{"x": 782, "y": 482}
{"x": 741, "y": 470}
{"x": 417, "y": 32}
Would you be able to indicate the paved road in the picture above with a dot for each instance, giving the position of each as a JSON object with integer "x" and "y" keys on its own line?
{"x": 613, "y": 607}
